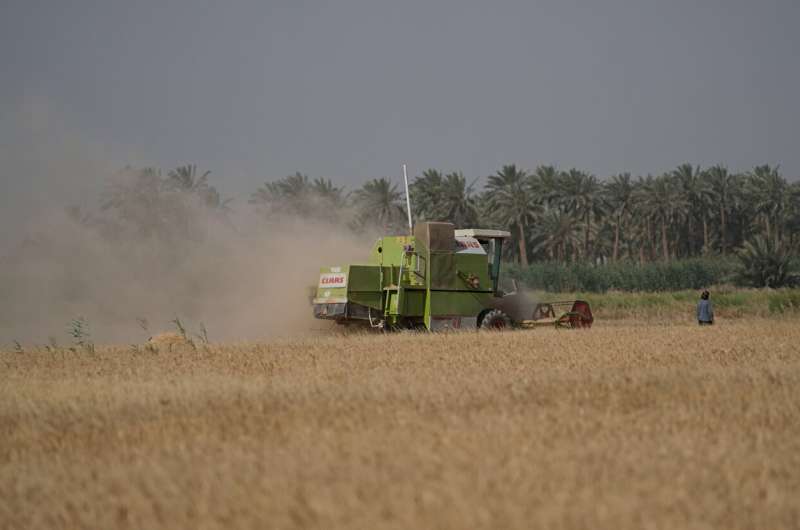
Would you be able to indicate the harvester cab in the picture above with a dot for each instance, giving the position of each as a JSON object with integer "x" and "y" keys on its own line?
{"x": 492, "y": 243}
{"x": 437, "y": 278}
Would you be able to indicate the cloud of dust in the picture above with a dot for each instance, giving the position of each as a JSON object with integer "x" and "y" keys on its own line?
{"x": 245, "y": 283}
{"x": 240, "y": 286}
{"x": 241, "y": 276}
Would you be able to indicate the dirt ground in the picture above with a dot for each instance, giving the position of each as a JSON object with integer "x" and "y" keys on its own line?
{"x": 670, "y": 426}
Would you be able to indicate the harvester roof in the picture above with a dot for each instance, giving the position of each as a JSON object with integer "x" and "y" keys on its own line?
{"x": 481, "y": 233}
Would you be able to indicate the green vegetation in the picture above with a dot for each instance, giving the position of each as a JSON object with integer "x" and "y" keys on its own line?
{"x": 554, "y": 215}
{"x": 652, "y": 233}
{"x": 695, "y": 273}
{"x": 784, "y": 301}
{"x": 765, "y": 262}
{"x": 656, "y": 290}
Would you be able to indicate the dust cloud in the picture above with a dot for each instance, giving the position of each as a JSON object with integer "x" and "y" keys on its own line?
{"x": 130, "y": 267}
{"x": 239, "y": 286}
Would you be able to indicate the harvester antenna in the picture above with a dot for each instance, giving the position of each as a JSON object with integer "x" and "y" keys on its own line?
{"x": 408, "y": 202}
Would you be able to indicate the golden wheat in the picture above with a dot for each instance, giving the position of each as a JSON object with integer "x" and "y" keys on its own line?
{"x": 624, "y": 427}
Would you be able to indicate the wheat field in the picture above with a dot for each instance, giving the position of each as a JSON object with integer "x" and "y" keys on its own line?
{"x": 624, "y": 426}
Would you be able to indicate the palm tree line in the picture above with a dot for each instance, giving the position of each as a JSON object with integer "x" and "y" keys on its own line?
{"x": 572, "y": 215}
{"x": 567, "y": 216}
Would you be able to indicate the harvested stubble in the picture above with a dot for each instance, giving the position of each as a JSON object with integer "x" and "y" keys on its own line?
{"x": 660, "y": 427}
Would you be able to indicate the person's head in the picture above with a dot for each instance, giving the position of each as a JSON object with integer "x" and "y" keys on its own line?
{"x": 704, "y": 295}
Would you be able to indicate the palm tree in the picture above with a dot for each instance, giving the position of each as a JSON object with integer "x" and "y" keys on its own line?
{"x": 705, "y": 201}
{"x": 765, "y": 262}
{"x": 556, "y": 233}
{"x": 725, "y": 188}
{"x": 662, "y": 200}
{"x": 184, "y": 178}
{"x": 136, "y": 199}
{"x": 289, "y": 195}
{"x": 425, "y": 191}
{"x": 546, "y": 182}
{"x": 331, "y": 196}
{"x": 511, "y": 201}
{"x": 380, "y": 203}
{"x": 295, "y": 186}
{"x": 215, "y": 202}
{"x": 456, "y": 201}
{"x": 766, "y": 189}
{"x": 444, "y": 198}
{"x": 698, "y": 196}
{"x": 328, "y": 203}
{"x": 580, "y": 192}
{"x": 793, "y": 216}
{"x": 159, "y": 207}
{"x": 325, "y": 188}
{"x": 619, "y": 193}
{"x": 641, "y": 226}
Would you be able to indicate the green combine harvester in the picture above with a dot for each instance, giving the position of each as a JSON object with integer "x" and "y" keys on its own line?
{"x": 438, "y": 278}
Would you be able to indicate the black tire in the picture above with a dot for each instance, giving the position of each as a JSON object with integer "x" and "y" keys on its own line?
{"x": 496, "y": 319}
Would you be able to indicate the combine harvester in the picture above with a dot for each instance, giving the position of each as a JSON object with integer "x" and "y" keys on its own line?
{"x": 438, "y": 278}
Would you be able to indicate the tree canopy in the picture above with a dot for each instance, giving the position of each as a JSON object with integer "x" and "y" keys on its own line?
{"x": 567, "y": 216}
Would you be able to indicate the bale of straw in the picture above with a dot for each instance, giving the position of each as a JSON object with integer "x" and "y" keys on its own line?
{"x": 168, "y": 339}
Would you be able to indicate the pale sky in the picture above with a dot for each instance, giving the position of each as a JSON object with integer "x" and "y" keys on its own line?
{"x": 255, "y": 90}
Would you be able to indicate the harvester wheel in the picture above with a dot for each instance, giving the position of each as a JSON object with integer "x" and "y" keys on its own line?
{"x": 495, "y": 319}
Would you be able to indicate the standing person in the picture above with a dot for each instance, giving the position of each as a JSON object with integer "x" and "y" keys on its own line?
{"x": 705, "y": 311}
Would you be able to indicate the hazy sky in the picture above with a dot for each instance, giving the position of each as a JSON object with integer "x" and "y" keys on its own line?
{"x": 254, "y": 90}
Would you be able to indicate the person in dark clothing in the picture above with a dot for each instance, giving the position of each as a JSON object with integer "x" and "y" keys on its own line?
{"x": 705, "y": 311}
